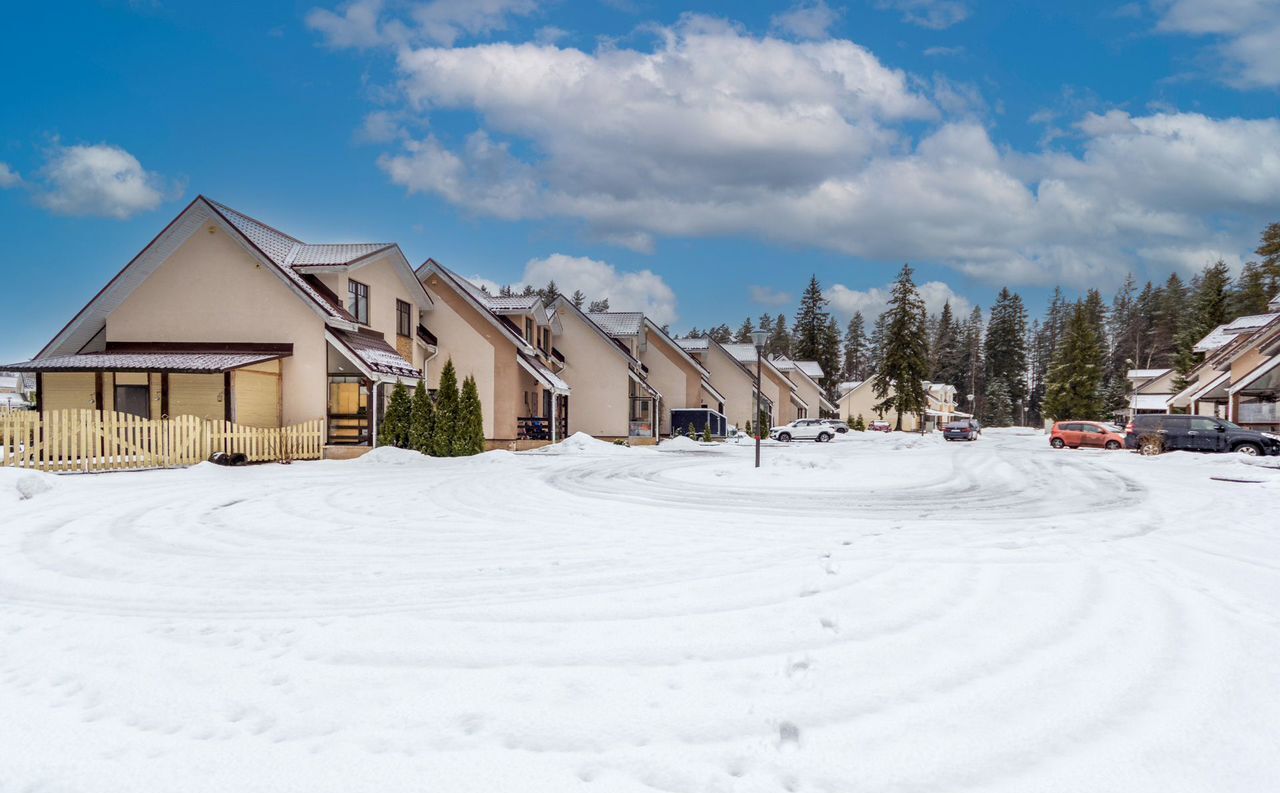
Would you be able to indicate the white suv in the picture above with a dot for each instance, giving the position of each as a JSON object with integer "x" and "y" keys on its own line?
{"x": 803, "y": 430}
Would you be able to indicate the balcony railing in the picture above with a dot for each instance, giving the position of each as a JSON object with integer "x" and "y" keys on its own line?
{"x": 538, "y": 428}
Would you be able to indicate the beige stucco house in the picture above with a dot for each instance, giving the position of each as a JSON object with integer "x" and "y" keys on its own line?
{"x": 613, "y": 398}
{"x": 778, "y": 390}
{"x": 1239, "y": 378}
{"x": 860, "y": 400}
{"x": 808, "y": 399}
{"x": 509, "y": 345}
{"x": 224, "y": 317}
{"x": 683, "y": 382}
{"x": 733, "y": 380}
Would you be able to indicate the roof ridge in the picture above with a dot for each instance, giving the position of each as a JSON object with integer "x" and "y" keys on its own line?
{"x": 252, "y": 219}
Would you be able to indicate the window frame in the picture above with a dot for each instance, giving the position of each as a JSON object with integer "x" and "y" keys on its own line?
{"x": 404, "y": 318}
{"x": 354, "y": 297}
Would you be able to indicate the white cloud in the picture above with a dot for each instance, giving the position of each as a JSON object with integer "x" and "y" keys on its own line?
{"x": 932, "y": 14}
{"x": 809, "y": 19}
{"x": 380, "y": 126}
{"x": 640, "y": 290}
{"x": 768, "y": 296}
{"x": 361, "y": 24}
{"x": 99, "y": 180}
{"x": 1247, "y": 33}
{"x": 8, "y": 177}
{"x": 938, "y": 52}
{"x": 712, "y": 131}
{"x": 872, "y": 302}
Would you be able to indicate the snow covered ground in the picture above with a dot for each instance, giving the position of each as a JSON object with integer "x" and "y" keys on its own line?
{"x": 883, "y": 613}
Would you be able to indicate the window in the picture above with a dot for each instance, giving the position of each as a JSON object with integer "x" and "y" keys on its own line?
{"x": 528, "y": 330}
{"x": 1204, "y": 425}
{"x": 358, "y": 301}
{"x": 403, "y": 326}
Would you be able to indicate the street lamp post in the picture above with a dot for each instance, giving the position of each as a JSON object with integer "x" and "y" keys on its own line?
{"x": 758, "y": 338}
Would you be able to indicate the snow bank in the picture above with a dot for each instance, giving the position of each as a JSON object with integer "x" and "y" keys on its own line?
{"x": 390, "y": 455}
{"x": 684, "y": 443}
{"x": 582, "y": 443}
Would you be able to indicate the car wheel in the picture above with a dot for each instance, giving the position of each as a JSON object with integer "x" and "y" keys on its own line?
{"x": 823, "y": 437}
{"x": 1057, "y": 443}
{"x": 785, "y": 437}
{"x": 1113, "y": 445}
{"x": 1249, "y": 450}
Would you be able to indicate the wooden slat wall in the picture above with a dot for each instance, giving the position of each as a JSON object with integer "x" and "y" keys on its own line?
{"x": 68, "y": 441}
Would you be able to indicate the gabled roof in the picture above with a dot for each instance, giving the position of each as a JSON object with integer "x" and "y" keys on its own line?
{"x": 1224, "y": 334}
{"x": 1145, "y": 374}
{"x": 562, "y": 303}
{"x": 745, "y": 354}
{"x": 619, "y": 323}
{"x": 478, "y": 299}
{"x": 372, "y": 351}
{"x": 272, "y": 247}
{"x": 129, "y": 361}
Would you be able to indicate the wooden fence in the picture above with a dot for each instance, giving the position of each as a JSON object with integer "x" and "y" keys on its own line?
{"x": 84, "y": 441}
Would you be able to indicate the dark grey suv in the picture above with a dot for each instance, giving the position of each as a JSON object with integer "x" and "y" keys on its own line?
{"x": 1153, "y": 433}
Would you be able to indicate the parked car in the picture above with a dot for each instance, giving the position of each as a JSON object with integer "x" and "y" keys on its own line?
{"x": 836, "y": 424}
{"x": 966, "y": 430}
{"x": 1152, "y": 433}
{"x": 1085, "y": 434}
{"x": 880, "y": 426}
{"x": 803, "y": 429}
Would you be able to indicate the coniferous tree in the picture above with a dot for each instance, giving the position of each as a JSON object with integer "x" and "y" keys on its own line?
{"x": 505, "y": 291}
{"x": 1210, "y": 307}
{"x": 528, "y": 290}
{"x": 578, "y": 298}
{"x": 947, "y": 349}
{"x": 394, "y": 430}
{"x": 549, "y": 293}
{"x": 875, "y": 347}
{"x": 855, "y": 349}
{"x": 810, "y": 324}
{"x": 1169, "y": 318}
{"x": 721, "y": 333}
{"x": 471, "y": 420}
{"x": 1251, "y": 294}
{"x": 973, "y": 371}
{"x": 1074, "y": 390}
{"x": 445, "y": 431}
{"x": 997, "y": 405}
{"x": 829, "y": 359}
{"x": 780, "y": 340}
{"x": 598, "y": 306}
{"x": 1005, "y": 348}
{"x": 422, "y": 415}
{"x": 765, "y": 324}
{"x": 1269, "y": 250}
{"x": 743, "y": 336}
{"x": 899, "y": 385}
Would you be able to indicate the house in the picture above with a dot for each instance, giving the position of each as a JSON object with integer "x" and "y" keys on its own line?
{"x": 1238, "y": 378}
{"x": 683, "y": 381}
{"x": 12, "y": 390}
{"x": 778, "y": 389}
{"x": 613, "y": 398}
{"x": 1149, "y": 391}
{"x": 809, "y": 399}
{"x": 508, "y": 344}
{"x": 224, "y": 317}
{"x": 940, "y": 400}
{"x": 732, "y": 379}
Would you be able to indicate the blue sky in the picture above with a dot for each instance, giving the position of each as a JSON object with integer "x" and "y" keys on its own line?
{"x": 697, "y": 160}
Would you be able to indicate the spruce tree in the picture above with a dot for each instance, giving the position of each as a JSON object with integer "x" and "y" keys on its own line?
{"x": 810, "y": 324}
{"x": 445, "y": 432}
{"x": 829, "y": 359}
{"x": 855, "y": 349}
{"x": 1250, "y": 295}
{"x": 997, "y": 405}
{"x": 973, "y": 371}
{"x": 549, "y": 293}
{"x": 422, "y": 414}
{"x": 899, "y": 385}
{"x": 743, "y": 336}
{"x": 598, "y": 306}
{"x": 578, "y": 298}
{"x": 721, "y": 333}
{"x": 1210, "y": 307}
{"x": 1074, "y": 389}
{"x": 947, "y": 350}
{"x": 765, "y": 325}
{"x": 780, "y": 340}
{"x": 394, "y": 430}
{"x": 875, "y": 347}
{"x": 1170, "y": 317}
{"x": 1005, "y": 348}
{"x": 1269, "y": 250}
{"x": 471, "y": 420}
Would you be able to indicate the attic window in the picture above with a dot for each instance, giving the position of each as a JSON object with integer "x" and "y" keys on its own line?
{"x": 358, "y": 301}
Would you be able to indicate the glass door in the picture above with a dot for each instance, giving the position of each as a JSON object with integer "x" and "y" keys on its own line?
{"x": 348, "y": 410}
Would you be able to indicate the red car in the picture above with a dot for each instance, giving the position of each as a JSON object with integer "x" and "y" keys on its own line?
{"x": 880, "y": 426}
{"x": 1086, "y": 434}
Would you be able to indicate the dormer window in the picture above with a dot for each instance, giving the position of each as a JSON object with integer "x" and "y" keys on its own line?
{"x": 358, "y": 301}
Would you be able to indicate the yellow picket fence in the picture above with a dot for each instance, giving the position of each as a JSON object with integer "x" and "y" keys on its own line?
{"x": 83, "y": 441}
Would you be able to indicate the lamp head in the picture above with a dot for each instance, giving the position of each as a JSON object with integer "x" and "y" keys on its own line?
{"x": 759, "y": 338}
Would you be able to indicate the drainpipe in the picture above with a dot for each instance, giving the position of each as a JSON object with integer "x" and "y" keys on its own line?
{"x": 373, "y": 412}
{"x": 555, "y": 403}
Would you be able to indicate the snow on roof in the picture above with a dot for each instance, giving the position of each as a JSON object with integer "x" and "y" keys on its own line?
{"x": 1145, "y": 374}
{"x": 1251, "y": 322}
{"x": 1223, "y": 334}
{"x": 811, "y": 368}
{"x": 374, "y": 352}
{"x": 619, "y": 323}
{"x": 10, "y": 380}
{"x": 1149, "y": 401}
{"x": 694, "y": 345}
{"x": 847, "y": 386}
{"x": 744, "y": 353}
{"x": 548, "y": 378}
{"x": 146, "y": 362}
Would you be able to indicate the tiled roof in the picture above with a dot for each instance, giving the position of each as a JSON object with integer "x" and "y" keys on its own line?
{"x": 548, "y": 378}
{"x": 694, "y": 345}
{"x": 811, "y": 368}
{"x": 744, "y": 353}
{"x": 274, "y": 243}
{"x": 1222, "y": 334}
{"x": 619, "y": 323}
{"x": 1145, "y": 374}
{"x": 372, "y": 349}
{"x": 146, "y": 362}
{"x": 340, "y": 253}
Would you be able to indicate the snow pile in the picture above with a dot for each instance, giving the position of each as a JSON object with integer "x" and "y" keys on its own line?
{"x": 679, "y": 443}
{"x": 17, "y": 484}
{"x": 582, "y": 443}
{"x": 390, "y": 455}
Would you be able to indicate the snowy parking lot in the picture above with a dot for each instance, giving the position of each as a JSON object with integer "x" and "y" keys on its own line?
{"x": 881, "y": 613}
